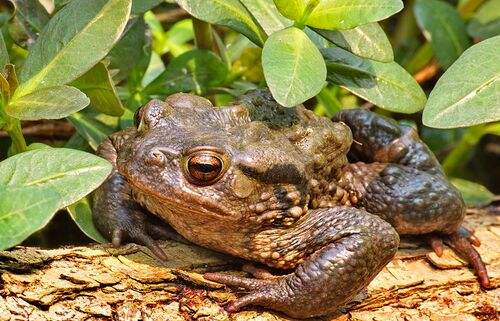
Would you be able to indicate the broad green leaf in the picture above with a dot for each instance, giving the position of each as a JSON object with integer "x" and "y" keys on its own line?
{"x": 4, "y": 55}
{"x": 469, "y": 91}
{"x": 141, "y": 6}
{"x": 485, "y": 23}
{"x": 386, "y": 85}
{"x": 338, "y": 14}
{"x": 293, "y": 67}
{"x": 367, "y": 41}
{"x": 267, "y": 15}
{"x": 196, "y": 70}
{"x": 81, "y": 213}
{"x": 74, "y": 40}
{"x": 229, "y": 13}
{"x": 24, "y": 211}
{"x": 99, "y": 87}
{"x": 129, "y": 50}
{"x": 90, "y": 128}
{"x": 444, "y": 28}
{"x": 474, "y": 194}
{"x": 35, "y": 184}
{"x": 48, "y": 103}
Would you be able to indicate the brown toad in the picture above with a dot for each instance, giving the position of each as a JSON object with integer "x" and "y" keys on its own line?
{"x": 274, "y": 185}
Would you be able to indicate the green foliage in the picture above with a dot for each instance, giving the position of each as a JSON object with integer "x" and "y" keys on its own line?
{"x": 474, "y": 194}
{"x": 35, "y": 184}
{"x": 301, "y": 73}
{"x": 48, "y": 103}
{"x": 62, "y": 53}
{"x": 367, "y": 41}
{"x": 338, "y": 14}
{"x": 95, "y": 62}
{"x": 468, "y": 93}
{"x": 229, "y": 13}
{"x": 485, "y": 22}
{"x": 444, "y": 28}
{"x": 386, "y": 85}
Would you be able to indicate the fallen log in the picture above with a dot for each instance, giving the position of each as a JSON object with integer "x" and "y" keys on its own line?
{"x": 99, "y": 282}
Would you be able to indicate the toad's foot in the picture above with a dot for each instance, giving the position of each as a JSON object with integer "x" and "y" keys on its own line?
{"x": 463, "y": 243}
{"x": 263, "y": 292}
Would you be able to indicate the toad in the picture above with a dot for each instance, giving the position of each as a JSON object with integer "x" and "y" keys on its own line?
{"x": 323, "y": 200}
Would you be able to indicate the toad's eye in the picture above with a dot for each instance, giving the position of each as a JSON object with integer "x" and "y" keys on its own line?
{"x": 137, "y": 117}
{"x": 204, "y": 168}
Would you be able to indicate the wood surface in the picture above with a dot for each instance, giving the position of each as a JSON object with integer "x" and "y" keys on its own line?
{"x": 99, "y": 282}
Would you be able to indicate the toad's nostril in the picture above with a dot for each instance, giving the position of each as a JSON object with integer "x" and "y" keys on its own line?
{"x": 156, "y": 157}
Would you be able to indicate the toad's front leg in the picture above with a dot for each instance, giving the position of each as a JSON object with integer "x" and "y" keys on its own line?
{"x": 118, "y": 216}
{"x": 340, "y": 249}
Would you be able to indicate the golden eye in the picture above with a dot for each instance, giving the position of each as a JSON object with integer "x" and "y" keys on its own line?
{"x": 204, "y": 168}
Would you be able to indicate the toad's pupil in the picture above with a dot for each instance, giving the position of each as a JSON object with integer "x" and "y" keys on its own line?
{"x": 204, "y": 168}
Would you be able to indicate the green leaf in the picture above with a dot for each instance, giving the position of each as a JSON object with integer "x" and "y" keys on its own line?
{"x": 229, "y": 13}
{"x": 92, "y": 129}
{"x": 24, "y": 211}
{"x": 444, "y": 28}
{"x": 386, "y": 85}
{"x": 474, "y": 194}
{"x": 35, "y": 184}
{"x": 338, "y": 14}
{"x": 367, "y": 41}
{"x": 196, "y": 70}
{"x": 267, "y": 15}
{"x": 99, "y": 87}
{"x": 141, "y": 6}
{"x": 293, "y": 67}
{"x": 485, "y": 23}
{"x": 74, "y": 40}
{"x": 129, "y": 50}
{"x": 4, "y": 55}
{"x": 48, "y": 103}
{"x": 81, "y": 213}
{"x": 469, "y": 91}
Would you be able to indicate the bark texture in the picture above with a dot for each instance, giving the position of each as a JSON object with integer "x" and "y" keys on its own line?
{"x": 102, "y": 283}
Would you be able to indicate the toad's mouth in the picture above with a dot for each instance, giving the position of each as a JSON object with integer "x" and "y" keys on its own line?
{"x": 181, "y": 202}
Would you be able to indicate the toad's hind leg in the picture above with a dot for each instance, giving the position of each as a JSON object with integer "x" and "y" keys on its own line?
{"x": 399, "y": 179}
{"x": 119, "y": 218}
{"x": 344, "y": 248}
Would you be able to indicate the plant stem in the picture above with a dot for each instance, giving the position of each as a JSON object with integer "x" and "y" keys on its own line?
{"x": 16, "y": 135}
{"x": 203, "y": 37}
{"x": 12, "y": 127}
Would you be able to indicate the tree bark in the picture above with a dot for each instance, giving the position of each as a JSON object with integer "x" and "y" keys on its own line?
{"x": 99, "y": 282}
